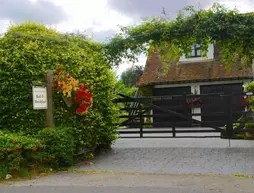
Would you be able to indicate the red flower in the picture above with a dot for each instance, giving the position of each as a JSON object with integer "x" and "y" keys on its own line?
{"x": 58, "y": 70}
{"x": 80, "y": 94}
{"x": 244, "y": 101}
{"x": 88, "y": 100}
{"x": 18, "y": 149}
{"x": 89, "y": 95}
{"x": 83, "y": 106}
{"x": 86, "y": 163}
{"x": 82, "y": 87}
{"x": 77, "y": 99}
{"x": 61, "y": 85}
{"x": 56, "y": 82}
{"x": 79, "y": 110}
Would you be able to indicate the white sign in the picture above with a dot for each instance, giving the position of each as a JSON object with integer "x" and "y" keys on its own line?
{"x": 40, "y": 97}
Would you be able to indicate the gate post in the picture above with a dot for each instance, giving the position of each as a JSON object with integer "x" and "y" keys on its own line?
{"x": 228, "y": 111}
{"x": 141, "y": 121}
{"x": 174, "y": 129}
{"x": 141, "y": 125}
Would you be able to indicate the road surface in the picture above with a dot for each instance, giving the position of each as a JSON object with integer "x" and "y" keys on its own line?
{"x": 128, "y": 183}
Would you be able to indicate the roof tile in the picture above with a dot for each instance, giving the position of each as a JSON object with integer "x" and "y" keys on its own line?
{"x": 188, "y": 72}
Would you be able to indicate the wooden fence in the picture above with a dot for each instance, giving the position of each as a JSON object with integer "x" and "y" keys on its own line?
{"x": 156, "y": 116}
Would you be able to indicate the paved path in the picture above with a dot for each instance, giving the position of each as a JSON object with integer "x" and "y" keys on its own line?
{"x": 183, "y": 156}
{"x": 120, "y": 183}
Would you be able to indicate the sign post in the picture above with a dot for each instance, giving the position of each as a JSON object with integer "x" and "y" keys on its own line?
{"x": 43, "y": 98}
{"x": 49, "y": 111}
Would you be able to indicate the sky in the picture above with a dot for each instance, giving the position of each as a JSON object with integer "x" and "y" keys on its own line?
{"x": 99, "y": 19}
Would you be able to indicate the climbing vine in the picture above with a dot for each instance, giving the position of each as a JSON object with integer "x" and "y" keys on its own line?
{"x": 231, "y": 30}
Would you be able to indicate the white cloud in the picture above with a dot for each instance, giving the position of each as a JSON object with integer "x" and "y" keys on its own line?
{"x": 243, "y": 5}
{"x": 43, "y": 11}
{"x": 125, "y": 65}
{"x": 87, "y": 14}
{"x": 99, "y": 17}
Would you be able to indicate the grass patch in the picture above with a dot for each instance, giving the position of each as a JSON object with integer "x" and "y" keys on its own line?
{"x": 242, "y": 176}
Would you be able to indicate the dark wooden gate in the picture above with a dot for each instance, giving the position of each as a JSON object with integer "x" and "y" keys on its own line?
{"x": 218, "y": 100}
{"x": 136, "y": 125}
{"x": 171, "y": 102}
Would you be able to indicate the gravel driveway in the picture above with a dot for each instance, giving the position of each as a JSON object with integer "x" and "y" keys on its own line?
{"x": 182, "y": 156}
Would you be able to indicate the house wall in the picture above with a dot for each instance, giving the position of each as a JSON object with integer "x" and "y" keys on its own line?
{"x": 210, "y": 56}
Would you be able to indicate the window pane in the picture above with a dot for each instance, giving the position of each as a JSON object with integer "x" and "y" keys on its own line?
{"x": 197, "y": 45}
{"x": 193, "y": 53}
{"x": 198, "y": 52}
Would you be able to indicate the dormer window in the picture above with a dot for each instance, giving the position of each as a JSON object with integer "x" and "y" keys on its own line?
{"x": 195, "y": 55}
{"x": 195, "y": 51}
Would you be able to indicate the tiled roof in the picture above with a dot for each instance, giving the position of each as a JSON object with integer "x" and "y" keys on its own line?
{"x": 188, "y": 72}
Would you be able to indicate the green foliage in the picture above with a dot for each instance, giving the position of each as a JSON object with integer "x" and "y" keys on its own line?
{"x": 146, "y": 90}
{"x": 27, "y": 51}
{"x": 18, "y": 152}
{"x": 52, "y": 147}
{"x": 249, "y": 88}
{"x": 122, "y": 89}
{"x": 59, "y": 145}
{"x": 231, "y": 30}
{"x": 128, "y": 91}
{"x": 130, "y": 76}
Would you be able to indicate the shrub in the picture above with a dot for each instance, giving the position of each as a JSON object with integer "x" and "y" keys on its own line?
{"x": 27, "y": 51}
{"x": 18, "y": 152}
{"x": 250, "y": 101}
{"x": 59, "y": 145}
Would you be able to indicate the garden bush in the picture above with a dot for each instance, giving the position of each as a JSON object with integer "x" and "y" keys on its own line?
{"x": 27, "y": 51}
{"x": 58, "y": 145}
{"x": 250, "y": 101}
{"x": 19, "y": 152}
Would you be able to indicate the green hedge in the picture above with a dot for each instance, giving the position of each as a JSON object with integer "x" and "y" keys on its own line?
{"x": 59, "y": 144}
{"x": 18, "y": 152}
{"x": 51, "y": 148}
{"x": 27, "y": 51}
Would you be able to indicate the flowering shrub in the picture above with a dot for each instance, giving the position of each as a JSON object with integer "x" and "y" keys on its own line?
{"x": 70, "y": 88}
{"x": 52, "y": 147}
{"x": 17, "y": 152}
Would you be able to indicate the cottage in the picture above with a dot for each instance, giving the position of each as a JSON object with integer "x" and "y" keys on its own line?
{"x": 194, "y": 75}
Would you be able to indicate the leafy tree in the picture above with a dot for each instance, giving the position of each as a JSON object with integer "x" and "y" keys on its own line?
{"x": 231, "y": 30}
{"x": 130, "y": 75}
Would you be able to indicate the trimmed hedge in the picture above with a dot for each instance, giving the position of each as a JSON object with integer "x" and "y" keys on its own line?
{"x": 59, "y": 144}
{"x": 27, "y": 51}
{"x": 17, "y": 152}
{"x": 51, "y": 148}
